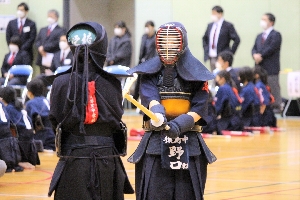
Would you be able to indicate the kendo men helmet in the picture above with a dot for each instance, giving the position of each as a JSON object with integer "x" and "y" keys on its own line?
{"x": 92, "y": 36}
{"x": 171, "y": 42}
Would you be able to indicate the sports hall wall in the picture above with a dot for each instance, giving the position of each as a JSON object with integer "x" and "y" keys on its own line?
{"x": 37, "y": 12}
{"x": 244, "y": 14}
{"x": 194, "y": 14}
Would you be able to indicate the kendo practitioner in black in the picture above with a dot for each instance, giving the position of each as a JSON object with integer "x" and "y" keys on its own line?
{"x": 9, "y": 148}
{"x": 86, "y": 109}
{"x": 171, "y": 159}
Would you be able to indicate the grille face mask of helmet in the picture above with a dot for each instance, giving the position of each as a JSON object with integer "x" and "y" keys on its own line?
{"x": 169, "y": 44}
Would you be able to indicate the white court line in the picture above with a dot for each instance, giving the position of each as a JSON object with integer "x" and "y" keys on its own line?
{"x": 254, "y": 181}
{"x": 260, "y": 155}
{"x": 24, "y": 195}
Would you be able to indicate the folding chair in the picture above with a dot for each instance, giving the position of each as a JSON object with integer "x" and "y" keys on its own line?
{"x": 59, "y": 70}
{"x": 20, "y": 70}
{"x": 121, "y": 73}
{"x": 62, "y": 69}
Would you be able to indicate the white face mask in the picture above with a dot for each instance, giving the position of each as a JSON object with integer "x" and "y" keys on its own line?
{"x": 63, "y": 45}
{"x": 214, "y": 18}
{"x": 218, "y": 66}
{"x": 13, "y": 48}
{"x": 118, "y": 31}
{"x": 50, "y": 20}
{"x": 147, "y": 30}
{"x": 263, "y": 24}
{"x": 20, "y": 13}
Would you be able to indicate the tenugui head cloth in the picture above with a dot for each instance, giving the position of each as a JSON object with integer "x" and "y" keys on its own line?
{"x": 90, "y": 36}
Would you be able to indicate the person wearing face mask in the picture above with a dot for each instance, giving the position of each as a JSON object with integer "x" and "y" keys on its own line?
{"x": 16, "y": 56}
{"x": 24, "y": 27}
{"x": 62, "y": 57}
{"x": 224, "y": 62}
{"x": 147, "y": 51}
{"x": 266, "y": 54}
{"x": 120, "y": 47}
{"x": 218, "y": 36}
{"x": 47, "y": 41}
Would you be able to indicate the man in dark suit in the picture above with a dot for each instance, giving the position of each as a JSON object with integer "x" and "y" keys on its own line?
{"x": 23, "y": 27}
{"x": 266, "y": 54}
{"x": 217, "y": 37}
{"x": 47, "y": 41}
{"x": 16, "y": 56}
{"x": 62, "y": 57}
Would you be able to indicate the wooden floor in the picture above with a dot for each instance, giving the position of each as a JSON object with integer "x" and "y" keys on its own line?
{"x": 260, "y": 167}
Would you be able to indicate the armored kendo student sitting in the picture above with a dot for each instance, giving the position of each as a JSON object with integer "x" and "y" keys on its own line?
{"x": 171, "y": 159}
{"x": 38, "y": 109}
{"x": 23, "y": 126}
{"x": 86, "y": 109}
{"x": 9, "y": 148}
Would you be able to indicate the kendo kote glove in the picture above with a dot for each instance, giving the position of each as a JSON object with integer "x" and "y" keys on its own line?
{"x": 180, "y": 124}
{"x": 159, "y": 111}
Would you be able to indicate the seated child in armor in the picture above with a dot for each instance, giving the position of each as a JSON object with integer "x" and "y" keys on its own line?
{"x": 9, "y": 148}
{"x": 38, "y": 109}
{"x": 267, "y": 116}
{"x": 227, "y": 104}
{"x": 23, "y": 124}
{"x": 211, "y": 126}
{"x": 250, "y": 98}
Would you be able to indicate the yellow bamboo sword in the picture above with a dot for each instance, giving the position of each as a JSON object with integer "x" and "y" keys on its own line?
{"x": 157, "y": 120}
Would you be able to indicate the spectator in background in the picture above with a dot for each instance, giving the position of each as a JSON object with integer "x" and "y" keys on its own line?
{"x": 147, "y": 51}
{"x": 9, "y": 148}
{"x": 62, "y": 57}
{"x": 224, "y": 62}
{"x": 47, "y": 41}
{"x": 250, "y": 98}
{"x": 267, "y": 117}
{"x": 25, "y": 28}
{"x": 266, "y": 53}
{"x": 16, "y": 56}
{"x": 218, "y": 36}
{"x": 38, "y": 109}
{"x": 19, "y": 117}
{"x": 227, "y": 105}
{"x": 120, "y": 47}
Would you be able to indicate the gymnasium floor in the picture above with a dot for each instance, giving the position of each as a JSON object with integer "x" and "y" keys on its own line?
{"x": 260, "y": 167}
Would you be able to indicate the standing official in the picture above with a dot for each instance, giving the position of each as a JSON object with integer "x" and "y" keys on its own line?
{"x": 217, "y": 37}
{"x": 24, "y": 27}
{"x": 48, "y": 40}
{"x": 266, "y": 53}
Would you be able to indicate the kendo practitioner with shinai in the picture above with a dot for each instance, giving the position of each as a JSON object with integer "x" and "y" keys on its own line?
{"x": 86, "y": 109}
{"x": 171, "y": 159}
